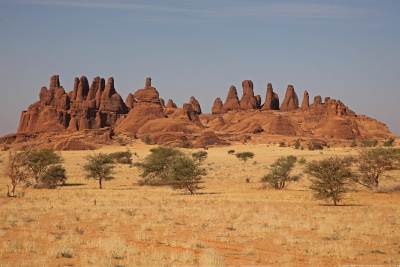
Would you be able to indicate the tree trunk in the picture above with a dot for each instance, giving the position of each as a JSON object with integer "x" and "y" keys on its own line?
{"x": 100, "y": 184}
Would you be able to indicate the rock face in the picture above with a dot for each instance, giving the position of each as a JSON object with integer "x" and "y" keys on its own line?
{"x": 100, "y": 107}
{"x": 83, "y": 108}
{"x": 232, "y": 100}
{"x": 306, "y": 101}
{"x": 291, "y": 102}
{"x": 248, "y": 100}
{"x": 271, "y": 99}
{"x": 217, "y": 107}
{"x": 195, "y": 105}
{"x": 171, "y": 104}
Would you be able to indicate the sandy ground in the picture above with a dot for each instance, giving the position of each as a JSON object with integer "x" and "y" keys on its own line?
{"x": 230, "y": 222}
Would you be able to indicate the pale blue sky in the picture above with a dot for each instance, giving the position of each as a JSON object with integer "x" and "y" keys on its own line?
{"x": 345, "y": 49}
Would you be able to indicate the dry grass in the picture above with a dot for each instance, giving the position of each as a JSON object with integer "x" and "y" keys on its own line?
{"x": 231, "y": 222}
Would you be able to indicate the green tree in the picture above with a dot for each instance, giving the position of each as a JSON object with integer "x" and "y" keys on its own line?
{"x": 147, "y": 139}
{"x": 280, "y": 172}
{"x": 122, "y": 157}
{"x": 200, "y": 156}
{"x": 38, "y": 161}
{"x": 185, "y": 174}
{"x": 373, "y": 163}
{"x": 155, "y": 166}
{"x": 245, "y": 156}
{"x": 53, "y": 176}
{"x": 99, "y": 167}
{"x": 15, "y": 170}
{"x": 331, "y": 178}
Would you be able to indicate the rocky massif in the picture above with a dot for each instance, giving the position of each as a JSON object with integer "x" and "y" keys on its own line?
{"x": 97, "y": 113}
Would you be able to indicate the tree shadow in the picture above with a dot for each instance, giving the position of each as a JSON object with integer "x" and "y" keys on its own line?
{"x": 74, "y": 184}
{"x": 345, "y": 205}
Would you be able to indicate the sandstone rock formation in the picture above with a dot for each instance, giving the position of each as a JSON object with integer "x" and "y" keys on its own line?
{"x": 171, "y": 104}
{"x": 271, "y": 99}
{"x": 306, "y": 101}
{"x": 317, "y": 101}
{"x": 217, "y": 107}
{"x": 248, "y": 100}
{"x": 291, "y": 102}
{"x": 195, "y": 105}
{"x": 232, "y": 100}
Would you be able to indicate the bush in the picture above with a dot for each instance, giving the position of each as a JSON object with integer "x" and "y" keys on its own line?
{"x": 297, "y": 144}
{"x": 38, "y": 161}
{"x": 170, "y": 166}
{"x": 302, "y": 160}
{"x": 389, "y": 142}
{"x": 54, "y": 175}
{"x": 245, "y": 156}
{"x": 282, "y": 144}
{"x": 353, "y": 144}
{"x": 155, "y": 165}
{"x": 280, "y": 172}
{"x": 331, "y": 178}
{"x": 185, "y": 144}
{"x": 122, "y": 157}
{"x": 369, "y": 143}
{"x": 373, "y": 163}
{"x": 147, "y": 139}
{"x": 200, "y": 156}
{"x": 231, "y": 152}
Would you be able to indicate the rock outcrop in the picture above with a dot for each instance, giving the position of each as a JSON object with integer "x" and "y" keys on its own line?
{"x": 195, "y": 105}
{"x": 271, "y": 99}
{"x": 248, "y": 100}
{"x": 171, "y": 104}
{"x": 83, "y": 108}
{"x": 232, "y": 100}
{"x": 306, "y": 101}
{"x": 291, "y": 102}
{"x": 218, "y": 107}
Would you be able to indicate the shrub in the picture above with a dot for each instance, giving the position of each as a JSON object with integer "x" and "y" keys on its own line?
{"x": 297, "y": 144}
{"x": 389, "y": 142}
{"x": 99, "y": 167}
{"x": 38, "y": 161}
{"x": 331, "y": 178}
{"x": 185, "y": 174}
{"x": 122, "y": 157}
{"x": 302, "y": 160}
{"x": 147, "y": 139}
{"x": 185, "y": 144}
{"x": 282, "y": 144}
{"x": 369, "y": 143}
{"x": 200, "y": 156}
{"x": 353, "y": 144}
{"x": 231, "y": 152}
{"x": 53, "y": 176}
{"x": 280, "y": 172}
{"x": 155, "y": 166}
{"x": 15, "y": 170}
{"x": 170, "y": 166}
{"x": 5, "y": 148}
{"x": 373, "y": 163}
{"x": 245, "y": 156}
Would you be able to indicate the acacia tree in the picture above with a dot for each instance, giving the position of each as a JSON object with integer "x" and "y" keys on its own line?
{"x": 38, "y": 161}
{"x": 280, "y": 172}
{"x": 155, "y": 166}
{"x": 331, "y": 178}
{"x": 185, "y": 174}
{"x": 373, "y": 163}
{"x": 53, "y": 176}
{"x": 170, "y": 166}
{"x": 15, "y": 170}
{"x": 99, "y": 167}
{"x": 245, "y": 156}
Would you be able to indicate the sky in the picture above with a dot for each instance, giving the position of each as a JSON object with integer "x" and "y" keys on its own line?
{"x": 344, "y": 49}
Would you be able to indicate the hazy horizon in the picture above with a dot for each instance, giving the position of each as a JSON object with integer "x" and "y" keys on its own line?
{"x": 347, "y": 50}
